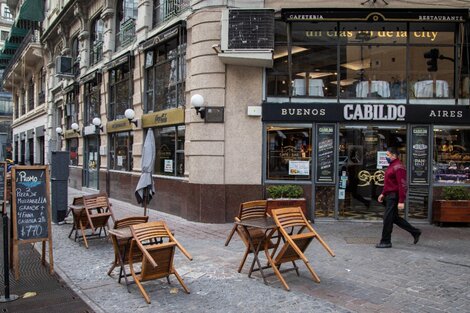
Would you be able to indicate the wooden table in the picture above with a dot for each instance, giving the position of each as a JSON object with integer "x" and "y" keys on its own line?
{"x": 269, "y": 226}
{"x": 123, "y": 234}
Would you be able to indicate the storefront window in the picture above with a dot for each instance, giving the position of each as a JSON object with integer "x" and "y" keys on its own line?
{"x": 165, "y": 75}
{"x": 72, "y": 147}
{"x": 120, "y": 91}
{"x": 464, "y": 90}
{"x": 451, "y": 155}
{"x": 92, "y": 101}
{"x": 289, "y": 153}
{"x": 170, "y": 150}
{"x": 120, "y": 152}
{"x": 380, "y": 60}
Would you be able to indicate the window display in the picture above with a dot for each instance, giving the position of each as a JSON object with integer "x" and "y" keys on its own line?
{"x": 451, "y": 155}
{"x": 289, "y": 152}
{"x": 120, "y": 153}
{"x": 169, "y": 142}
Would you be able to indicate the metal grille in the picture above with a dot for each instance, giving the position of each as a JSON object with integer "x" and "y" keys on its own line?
{"x": 251, "y": 29}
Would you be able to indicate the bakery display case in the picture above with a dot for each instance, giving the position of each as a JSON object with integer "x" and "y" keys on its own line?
{"x": 452, "y": 156}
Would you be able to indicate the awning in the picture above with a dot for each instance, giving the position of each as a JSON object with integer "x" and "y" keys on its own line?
{"x": 31, "y": 10}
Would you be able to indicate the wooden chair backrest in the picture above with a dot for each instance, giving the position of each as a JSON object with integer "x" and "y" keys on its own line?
{"x": 98, "y": 210}
{"x": 252, "y": 209}
{"x": 77, "y": 201}
{"x": 128, "y": 221}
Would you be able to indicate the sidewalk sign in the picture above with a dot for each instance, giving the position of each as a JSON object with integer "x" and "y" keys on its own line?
{"x": 31, "y": 211}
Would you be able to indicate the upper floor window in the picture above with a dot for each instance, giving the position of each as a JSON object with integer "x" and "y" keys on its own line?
{"x": 120, "y": 91}
{"x": 96, "y": 40}
{"x": 42, "y": 86}
{"x": 126, "y": 15}
{"x": 166, "y": 9}
{"x": 31, "y": 95}
{"x": 23, "y": 102}
{"x": 382, "y": 60}
{"x": 76, "y": 57}
{"x": 6, "y": 14}
{"x": 165, "y": 74}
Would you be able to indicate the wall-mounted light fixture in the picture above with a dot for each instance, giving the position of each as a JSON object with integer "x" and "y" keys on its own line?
{"x": 59, "y": 131}
{"x": 130, "y": 114}
{"x": 97, "y": 122}
{"x": 197, "y": 101}
{"x": 75, "y": 128}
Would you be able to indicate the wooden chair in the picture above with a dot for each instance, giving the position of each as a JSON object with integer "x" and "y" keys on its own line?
{"x": 157, "y": 245}
{"x": 295, "y": 244}
{"x": 250, "y": 210}
{"x": 121, "y": 246}
{"x": 76, "y": 207}
{"x": 95, "y": 215}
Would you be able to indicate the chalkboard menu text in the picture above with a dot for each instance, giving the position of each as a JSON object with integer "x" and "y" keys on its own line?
{"x": 325, "y": 153}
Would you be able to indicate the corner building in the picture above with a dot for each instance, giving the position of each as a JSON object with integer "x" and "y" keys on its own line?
{"x": 298, "y": 92}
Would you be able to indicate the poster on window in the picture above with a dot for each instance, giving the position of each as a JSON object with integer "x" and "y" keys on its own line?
{"x": 299, "y": 167}
{"x": 419, "y": 155}
{"x": 381, "y": 159}
{"x": 325, "y": 153}
{"x": 168, "y": 166}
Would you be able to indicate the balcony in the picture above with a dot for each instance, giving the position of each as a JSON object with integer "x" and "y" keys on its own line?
{"x": 167, "y": 9}
{"x": 126, "y": 33}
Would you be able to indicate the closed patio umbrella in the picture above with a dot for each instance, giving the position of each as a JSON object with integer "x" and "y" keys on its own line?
{"x": 145, "y": 188}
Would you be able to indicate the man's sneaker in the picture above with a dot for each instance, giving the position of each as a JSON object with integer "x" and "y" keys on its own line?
{"x": 383, "y": 245}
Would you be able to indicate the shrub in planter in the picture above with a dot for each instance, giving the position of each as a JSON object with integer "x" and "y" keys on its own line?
{"x": 283, "y": 196}
{"x": 453, "y": 207}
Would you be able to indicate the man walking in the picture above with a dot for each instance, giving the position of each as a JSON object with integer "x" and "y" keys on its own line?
{"x": 394, "y": 194}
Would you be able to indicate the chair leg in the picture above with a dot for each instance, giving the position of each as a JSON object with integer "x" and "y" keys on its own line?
{"x": 278, "y": 274}
{"x": 314, "y": 275}
{"x": 181, "y": 281}
{"x": 137, "y": 281}
{"x": 83, "y": 234}
{"x": 168, "y": 280}
{"x": 296, "y": 268}
{"x": 112, "y": 266}
{"x": 73, "y": 228}
{"x": 230, "y": 235}
{"x": 243, "y": 260}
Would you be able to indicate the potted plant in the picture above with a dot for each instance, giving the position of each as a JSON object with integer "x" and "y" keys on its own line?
{"x": 284, "y": 196}
{"x": 453, "y": 207}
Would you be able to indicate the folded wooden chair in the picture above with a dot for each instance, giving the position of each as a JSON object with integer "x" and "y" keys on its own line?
{"x": 295, "y": 243}
{"x": 98, "y": 212}
{"x": 122, "y": 245}
{"x": 157, "y": 245}
{"x": 250, "y": 210}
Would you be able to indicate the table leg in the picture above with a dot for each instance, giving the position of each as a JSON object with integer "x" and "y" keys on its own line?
{"x": 255, "y": 255}
{"x": 122, "y": 270}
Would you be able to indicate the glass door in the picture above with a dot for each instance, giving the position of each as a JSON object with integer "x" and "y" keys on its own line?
{"x": 362, "y": 166}
{"x": 91, "y": 163}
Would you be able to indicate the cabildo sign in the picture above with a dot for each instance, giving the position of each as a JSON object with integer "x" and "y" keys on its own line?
{"x": 329, "y": 112}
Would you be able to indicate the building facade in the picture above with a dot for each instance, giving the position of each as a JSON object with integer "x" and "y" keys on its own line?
{"x": 244, "y": 94}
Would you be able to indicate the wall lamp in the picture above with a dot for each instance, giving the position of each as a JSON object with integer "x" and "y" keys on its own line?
{"x": 130, "y": 114}
{"x": 59, "y": 131}
{"x": 197, "y": 101}
{"x": 75, "y": 128}
{"x": 97, "y": 122}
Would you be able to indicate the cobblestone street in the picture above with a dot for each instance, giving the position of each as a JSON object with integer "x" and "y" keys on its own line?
{"x": 432, "y": 276}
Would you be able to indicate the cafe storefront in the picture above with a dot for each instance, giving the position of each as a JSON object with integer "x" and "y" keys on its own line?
{"x": 347, "y": 84}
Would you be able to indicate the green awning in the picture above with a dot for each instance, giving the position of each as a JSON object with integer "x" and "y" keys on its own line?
{"x": 18, "y": 32}
{"x": 31, "y": 10}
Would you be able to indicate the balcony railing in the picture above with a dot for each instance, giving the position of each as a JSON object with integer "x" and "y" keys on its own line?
{"x": 126, "y": 34}
{"x": 167, "y": 9}
{"x": 33, "y": 36}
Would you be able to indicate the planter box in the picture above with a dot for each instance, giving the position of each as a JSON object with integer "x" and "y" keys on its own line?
{"x": 451, "y": 211}
{"x": 287, "y": 203}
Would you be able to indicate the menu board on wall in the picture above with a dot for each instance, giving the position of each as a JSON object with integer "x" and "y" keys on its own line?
{"x": 419, "y": 155}
{"x": 325, "y": 153}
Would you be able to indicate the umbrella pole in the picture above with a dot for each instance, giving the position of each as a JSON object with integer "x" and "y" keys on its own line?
{"x": 145, "y": 202}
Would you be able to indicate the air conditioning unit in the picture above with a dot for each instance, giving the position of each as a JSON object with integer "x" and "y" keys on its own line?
{"x": 63, "y": 65}
{"x": 247, "y": 37}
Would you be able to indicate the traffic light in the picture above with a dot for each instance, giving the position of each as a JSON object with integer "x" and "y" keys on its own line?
{"x": 432, "y": 55}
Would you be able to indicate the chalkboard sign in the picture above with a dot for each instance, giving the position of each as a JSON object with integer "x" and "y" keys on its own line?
{"x": 31, "y": 210}
{"x": 31, "y": 203}
{"x": 419, "y": 155}
{"x": 325, "y": 153}
{"x": 3, "y": 183}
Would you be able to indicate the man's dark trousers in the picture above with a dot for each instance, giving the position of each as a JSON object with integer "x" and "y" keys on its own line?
{"x": 391, "y": 216}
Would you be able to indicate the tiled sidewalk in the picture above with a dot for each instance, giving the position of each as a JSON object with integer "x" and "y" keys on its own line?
{"x": 432, "y": 276}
